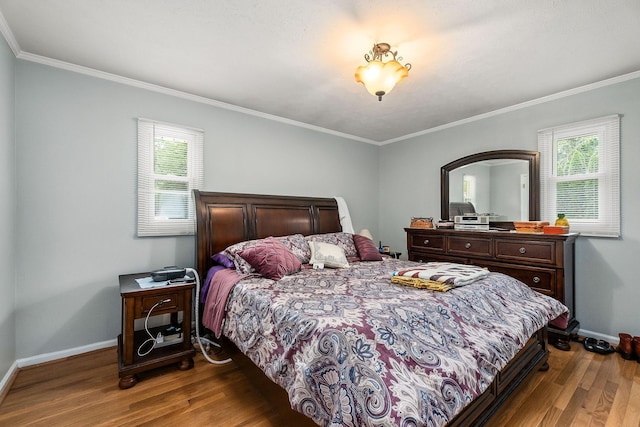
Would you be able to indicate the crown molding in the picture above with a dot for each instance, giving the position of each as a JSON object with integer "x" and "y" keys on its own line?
{"x": 8, "y": 36}
{"x": 208, "y": 101}
{"x": 559, "y": 95}
{"x": 179, "y": 94}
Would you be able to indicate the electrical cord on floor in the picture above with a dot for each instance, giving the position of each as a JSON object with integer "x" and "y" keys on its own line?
{"x": 199, "y": 339}
{"x": 151, "y": 338}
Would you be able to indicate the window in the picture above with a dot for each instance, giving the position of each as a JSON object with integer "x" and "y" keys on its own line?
{"x": 580, "y": 175}
{"x": 170, "y": 167}
{"x": 469, "y": 189}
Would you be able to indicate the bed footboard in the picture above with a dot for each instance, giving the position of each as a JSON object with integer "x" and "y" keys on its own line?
{"x": 533, "y": 357}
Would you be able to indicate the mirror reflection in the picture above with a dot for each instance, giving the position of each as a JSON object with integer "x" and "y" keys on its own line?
{"x": 499, "y": 188}
{"x": 502, "y": 183}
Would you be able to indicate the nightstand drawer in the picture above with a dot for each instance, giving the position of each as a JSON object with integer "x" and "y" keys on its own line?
{"x": 429, "y": 242}
{"x": 148, "y": 301}
{"x": 461, "y": 245}
{"x": 526, "y": 251}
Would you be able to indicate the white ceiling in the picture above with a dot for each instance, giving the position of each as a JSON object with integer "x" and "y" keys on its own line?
{"x": 295, "y": 59}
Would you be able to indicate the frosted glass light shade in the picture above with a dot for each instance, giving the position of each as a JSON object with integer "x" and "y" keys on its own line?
{"x": 379, "y": 78}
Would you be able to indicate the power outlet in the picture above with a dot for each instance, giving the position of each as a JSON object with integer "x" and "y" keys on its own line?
{"x": 166, "y": 340}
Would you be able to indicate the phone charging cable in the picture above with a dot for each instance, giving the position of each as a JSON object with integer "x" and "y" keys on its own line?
{"x": 153, "y": 340}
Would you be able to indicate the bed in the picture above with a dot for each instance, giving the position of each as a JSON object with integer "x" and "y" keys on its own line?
{"x": 351, "y": 348}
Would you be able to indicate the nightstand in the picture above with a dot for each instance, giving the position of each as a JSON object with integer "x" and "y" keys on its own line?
{"x": 137, "y": 302}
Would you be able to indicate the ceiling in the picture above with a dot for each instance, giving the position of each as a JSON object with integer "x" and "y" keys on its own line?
{"x": 294, "y": 60}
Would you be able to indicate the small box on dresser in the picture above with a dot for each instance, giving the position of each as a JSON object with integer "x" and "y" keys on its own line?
{"x": 545, "y": 262}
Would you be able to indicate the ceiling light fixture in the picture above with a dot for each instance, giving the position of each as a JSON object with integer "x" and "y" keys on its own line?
{"x": 380, "y": 77}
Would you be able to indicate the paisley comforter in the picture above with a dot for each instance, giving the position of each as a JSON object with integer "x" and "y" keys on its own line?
{"x": 353, "y": 349}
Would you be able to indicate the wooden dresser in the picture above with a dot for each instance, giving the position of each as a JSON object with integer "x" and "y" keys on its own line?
{"x": 545, "y": 262}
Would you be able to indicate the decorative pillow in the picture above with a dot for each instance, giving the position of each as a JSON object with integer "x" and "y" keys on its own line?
{"x": 331, "y": 256}
{"x": 233, "y": 253}
{"x": 223, "y": 260}
{"x": 297, "y": 244}
{"x": 344, "y": 240}
{"x": 271, "y": 259}
{"x": 367, "y": 250}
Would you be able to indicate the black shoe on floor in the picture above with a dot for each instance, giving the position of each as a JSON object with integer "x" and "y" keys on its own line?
{"x": 598, "y": 346}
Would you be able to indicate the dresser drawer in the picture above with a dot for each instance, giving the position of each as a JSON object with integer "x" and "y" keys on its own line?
{"x": 434, "y": 257}
{"x": 524, "y": 250}
{"x": 542, "y": 280}
{"x": 469, "y": 246}
{"x": 429, "y": 242}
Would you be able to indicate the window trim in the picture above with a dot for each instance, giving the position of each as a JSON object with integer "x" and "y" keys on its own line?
{"x": 148, "y": 224}
{"x": 608, "y": 175}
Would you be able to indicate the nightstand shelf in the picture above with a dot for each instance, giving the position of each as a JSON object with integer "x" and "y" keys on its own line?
{"x": 171, "y": 299}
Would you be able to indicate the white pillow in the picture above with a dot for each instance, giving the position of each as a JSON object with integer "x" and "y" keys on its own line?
{"x": 331, "y": 256}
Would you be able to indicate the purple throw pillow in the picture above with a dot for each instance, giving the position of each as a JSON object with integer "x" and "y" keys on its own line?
{"x": 223, "y": 260}
{"x": 271, "y": 259}
{"x": 366, "y": 248}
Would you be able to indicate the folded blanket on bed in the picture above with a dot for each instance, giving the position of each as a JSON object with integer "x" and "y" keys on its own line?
{"x": 445, "y": 272}
{"x": 416, "y": 282}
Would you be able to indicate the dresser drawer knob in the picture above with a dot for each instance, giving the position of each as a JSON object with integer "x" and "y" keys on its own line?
{"x": 536, "y": 279}
{"x": 467, "y": 245}
{"x": 426, "y": 242}
{"x": 522, "y": 250}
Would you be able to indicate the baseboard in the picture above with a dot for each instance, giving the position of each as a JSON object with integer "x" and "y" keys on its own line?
{"x": 10, "y": 376}
{"x": 7, "y": 381}
{"x": 48, "y": 357}
{"x": 596, "y": 335}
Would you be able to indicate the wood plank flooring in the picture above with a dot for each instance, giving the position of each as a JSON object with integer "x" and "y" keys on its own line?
{"x": 579, "y": 389}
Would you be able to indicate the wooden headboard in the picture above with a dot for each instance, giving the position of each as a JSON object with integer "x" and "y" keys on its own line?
{"x": 223, "y": 219}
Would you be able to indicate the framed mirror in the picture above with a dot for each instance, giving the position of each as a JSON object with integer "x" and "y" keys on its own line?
{"x": 502, "y": 183}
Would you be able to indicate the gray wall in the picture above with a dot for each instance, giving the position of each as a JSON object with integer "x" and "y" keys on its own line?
{"x": 506, "y": 193}
{"x": 76, "y": 177}
{"x": 7, "y": 210}
{"x": 497, "y": 187}
{"x": 75, "y": 172}
{"x": 607, "y": 290}
{"x": 482, "y": 172}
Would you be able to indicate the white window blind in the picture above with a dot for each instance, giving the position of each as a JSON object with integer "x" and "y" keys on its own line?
{"x": 580, "y": 175}
{"x": 170, "y": 167}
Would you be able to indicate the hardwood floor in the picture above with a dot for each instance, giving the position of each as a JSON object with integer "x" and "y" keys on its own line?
{"x": 579, "y": 389}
